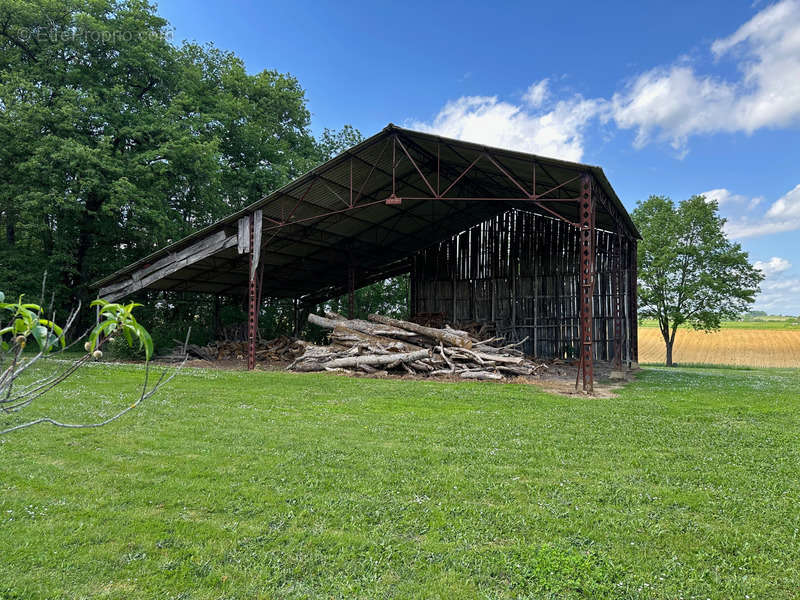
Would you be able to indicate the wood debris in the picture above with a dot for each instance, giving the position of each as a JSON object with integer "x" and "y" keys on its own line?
{"x": 283, "y": 349}
{"x": 383, "y": 344}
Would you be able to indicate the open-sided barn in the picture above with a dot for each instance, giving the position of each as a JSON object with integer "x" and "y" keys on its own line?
{"x": 539, "y": 247}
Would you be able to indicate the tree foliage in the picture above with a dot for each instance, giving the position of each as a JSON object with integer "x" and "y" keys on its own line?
{"x": 115, "y": 142}
{"x": 689, "y": 272}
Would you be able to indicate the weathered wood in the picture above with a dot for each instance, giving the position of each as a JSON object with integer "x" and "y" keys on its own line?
{"x": 243, "y": 238}
{"x": 346, "y": 336}
{"x": 361, "y": 325}
{"x": 370, "y": 359}
{"x": 483, "y": 375}
{"x": 437, "y": 334}
{"x": 519, "y": 272}
{"x": 172, "y": 263}
{"x": 257, "y": 224}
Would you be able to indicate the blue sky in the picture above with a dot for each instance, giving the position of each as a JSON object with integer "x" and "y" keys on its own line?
{"x": 673, "y": 98}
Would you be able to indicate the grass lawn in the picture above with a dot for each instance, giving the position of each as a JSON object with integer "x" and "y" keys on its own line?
{"x": 277, "y": 485}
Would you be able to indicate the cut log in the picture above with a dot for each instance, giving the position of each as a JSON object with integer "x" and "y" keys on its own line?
{"x": 480, "y": 375}
{"x": 447, "y": 337}
{"x": 361, "y": 325}
{"x": 345, "y": 336}
{"x": 373, "y": 360}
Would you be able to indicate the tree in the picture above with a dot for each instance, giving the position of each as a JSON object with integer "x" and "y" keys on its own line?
{"x": 115, "y": 142}
{"x": 689, "y": 272}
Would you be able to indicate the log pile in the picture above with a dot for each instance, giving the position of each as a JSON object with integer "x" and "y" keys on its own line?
{"x": 281, "y": 349}
{"x": 382, "y": 344}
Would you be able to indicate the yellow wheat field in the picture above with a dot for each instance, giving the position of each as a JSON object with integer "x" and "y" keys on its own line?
{"x": 739, "y": 347}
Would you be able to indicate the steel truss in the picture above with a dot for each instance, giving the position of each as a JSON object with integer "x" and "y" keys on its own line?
{"x": 353, "y": 199}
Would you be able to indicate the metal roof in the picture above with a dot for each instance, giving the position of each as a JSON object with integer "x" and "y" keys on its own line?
{"x": 337, "y": 214}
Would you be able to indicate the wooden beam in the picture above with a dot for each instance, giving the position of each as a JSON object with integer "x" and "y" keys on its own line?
{"x": 142, "y": 278}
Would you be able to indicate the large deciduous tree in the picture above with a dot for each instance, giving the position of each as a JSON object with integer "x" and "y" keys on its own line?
{"x": 690, "y": 273}
{"x": 114, "y": 141}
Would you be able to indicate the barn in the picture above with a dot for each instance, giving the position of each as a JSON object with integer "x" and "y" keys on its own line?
{"x": 540, "y": 248}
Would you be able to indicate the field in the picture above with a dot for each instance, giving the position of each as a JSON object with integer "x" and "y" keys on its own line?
{"x": 277, "y": 485}
{"x": 737, "y": 343}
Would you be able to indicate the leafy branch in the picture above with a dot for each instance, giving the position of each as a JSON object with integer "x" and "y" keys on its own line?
{"x": 24, "y": 321}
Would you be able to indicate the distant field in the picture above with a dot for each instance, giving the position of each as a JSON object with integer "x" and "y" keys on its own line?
{"x": 767, "y": 346}
{"x": 779, "y": 323}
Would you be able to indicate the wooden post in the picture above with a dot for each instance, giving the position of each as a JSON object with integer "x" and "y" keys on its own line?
{"x": 616, "y": 302}
{"x": 633, "y": 300}
{"x": 351, "y": 291}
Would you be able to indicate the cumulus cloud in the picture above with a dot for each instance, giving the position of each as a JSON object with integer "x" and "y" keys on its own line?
{"x": 676, "y": 102}
{"x": 668, "y": 103}
{"x": 773, "y": 266}
{"x": 723, "y": 196}
{"x": 782, "y": 215}
{"x": 557, "y": 132}
{"x": 787, "y": 206}
{"x": 537, "y": 93}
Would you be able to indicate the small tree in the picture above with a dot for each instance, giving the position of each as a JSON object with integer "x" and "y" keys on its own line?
{"x": 689, "y": 272}
{"x": 22, "y": 322}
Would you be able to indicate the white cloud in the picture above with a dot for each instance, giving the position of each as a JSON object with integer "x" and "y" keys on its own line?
{"x": 724, "y": 196}
{"x": 773, "y": 266}
{"x": 537, "y": 93}
{"x": 787, "y": 206}
{"x": 668, "y": 103}
{"x": 557, "y": 132}
{"x": 782, "y": 215}
{"x": 674, "y": 103}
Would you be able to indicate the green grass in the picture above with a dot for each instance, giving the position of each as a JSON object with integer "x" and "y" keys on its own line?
{"x": 771, "y": 323}
{"x": 276, "y": 485}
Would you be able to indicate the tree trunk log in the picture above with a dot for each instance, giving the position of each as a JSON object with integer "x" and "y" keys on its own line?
{"x": 442, "y": 335}
{"x": 375, "y": 359}
{"x": 360, "y": 325}
{"x": 345, "y": 336}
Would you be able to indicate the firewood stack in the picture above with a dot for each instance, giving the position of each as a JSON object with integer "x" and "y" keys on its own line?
{"x": 381, "y": 344}
{"x": 283, "y": 349}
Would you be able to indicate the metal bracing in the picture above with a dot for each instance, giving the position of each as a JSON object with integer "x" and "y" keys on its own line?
{"x": 252, "y": 304}
{"x": 365, "y": 214}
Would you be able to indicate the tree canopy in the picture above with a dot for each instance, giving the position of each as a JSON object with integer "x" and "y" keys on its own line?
{"x": 115, "y": 142}
{"x": 689, "y": 271}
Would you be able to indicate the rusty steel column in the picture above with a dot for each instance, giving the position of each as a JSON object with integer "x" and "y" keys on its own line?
{"x": 252, "y": 303}
{"x": 586, "y": 279}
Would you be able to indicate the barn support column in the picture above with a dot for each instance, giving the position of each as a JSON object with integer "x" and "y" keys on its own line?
{"x": 633, "y": 299}
{"x": 351, "y": 291}
{"x": 253, "y": 231}
{"x": 586, "y": 281}
{"x": 616, "y": 300}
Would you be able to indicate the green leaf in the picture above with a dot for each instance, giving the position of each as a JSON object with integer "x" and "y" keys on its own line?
{"x": 40, "y": 334}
